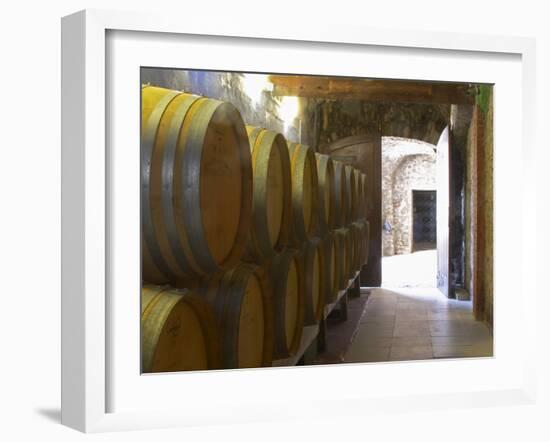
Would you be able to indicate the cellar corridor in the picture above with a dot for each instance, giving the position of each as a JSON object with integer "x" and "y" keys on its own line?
{"x": 301, "y": 219}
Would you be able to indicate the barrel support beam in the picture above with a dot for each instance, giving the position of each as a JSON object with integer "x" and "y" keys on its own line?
{"x": 322, "y": 336}
{"x": 355, "y": 289}
{"x": 344, "y": 307}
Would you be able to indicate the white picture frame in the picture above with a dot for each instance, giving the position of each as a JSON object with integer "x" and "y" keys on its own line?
{"x": 92, "y": 187}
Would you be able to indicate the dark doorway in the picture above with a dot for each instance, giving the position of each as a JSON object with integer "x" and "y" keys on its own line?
{"x": 424, "y": 220}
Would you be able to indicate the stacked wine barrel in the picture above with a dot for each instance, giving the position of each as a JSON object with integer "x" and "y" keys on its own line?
{"x": 245, "y": 236}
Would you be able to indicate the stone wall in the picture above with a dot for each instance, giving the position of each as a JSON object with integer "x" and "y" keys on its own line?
{"x": 407, "y": 165}
{"x": 487, "y": 195}
{"x": 327, "y": 121}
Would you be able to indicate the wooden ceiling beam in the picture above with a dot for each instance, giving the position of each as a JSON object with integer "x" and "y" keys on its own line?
{"x": 372, "y": 90}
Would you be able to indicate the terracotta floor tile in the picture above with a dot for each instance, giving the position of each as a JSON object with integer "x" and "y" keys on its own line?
{"x": 378, "y": 315}
{"x": 372, "y": 354}
{"x": 411, "y": 341}
{"x": 378, "y": 320}
{"x": 469, "y": 339}
{"x": 375, "y": 329}
{"x": 376, "y": 341}
{"x": 462, "y": 351}
{"x": 411, "y": 328}
{"x": 450, "y": 351}
{"x": 411, "y": 353}
{"x": 442, "y": 315}
{"x": 451, "y": 327}
{"x": 418, "y": 315}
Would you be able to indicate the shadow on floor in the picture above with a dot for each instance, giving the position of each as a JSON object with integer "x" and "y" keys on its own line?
{"x": 340, "y": 333}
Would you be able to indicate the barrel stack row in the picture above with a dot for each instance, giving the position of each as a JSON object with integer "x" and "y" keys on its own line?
{"x": 245, "y": 236}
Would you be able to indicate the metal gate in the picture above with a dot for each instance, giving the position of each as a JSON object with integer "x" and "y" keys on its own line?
{"x": 424, "y": 220}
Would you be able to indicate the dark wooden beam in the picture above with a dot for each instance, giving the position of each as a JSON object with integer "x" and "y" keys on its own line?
{"x": 372, "y": 90}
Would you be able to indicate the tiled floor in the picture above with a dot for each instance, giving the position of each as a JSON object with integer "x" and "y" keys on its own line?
{"x": 417, "y": 323}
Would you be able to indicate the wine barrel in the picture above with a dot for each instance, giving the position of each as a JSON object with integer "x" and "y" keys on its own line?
{"x": 341, "y": 247}
{"x": 340, "y": 201}
{"x": 350, "y": 196}
{"x": 242, "y": 302}
{"x": 357, "y": 241}
{"x": 345, "y": 254}
{"x": 305, "y": 202}
{"x": 313, "y": 262}
{"x": 178, "y": 331}
{"x": 325, "y": 174}
{"x": 359, "y": 196}
{"x": 271, "y": 216}
{"x": 353, "y": 238}
{"x": 196, "y": 185}
{"x": 331, "y": 268}
{"x": 287, "y": 278}
{"x": 365, "y": 208}
{"x": 366, "y": 240}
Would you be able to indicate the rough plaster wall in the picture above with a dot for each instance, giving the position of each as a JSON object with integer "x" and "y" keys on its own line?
{"x": 487, "y": 195}
{"x": 226, "y": 86}
{"x": 414, "y": 172}
{"x": 423, "y": 122}
{"x": 469, "y": 208}
{"x": 326, "y": 121}
{"x": 394, "y": 151}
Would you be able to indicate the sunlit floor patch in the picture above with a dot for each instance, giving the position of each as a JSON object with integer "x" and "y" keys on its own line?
{"x": 418, "y": 269}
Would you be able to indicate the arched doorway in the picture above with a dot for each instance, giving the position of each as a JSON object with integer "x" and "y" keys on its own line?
{"x": 409, "y": 183}
{"x": 410, "y": 167}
